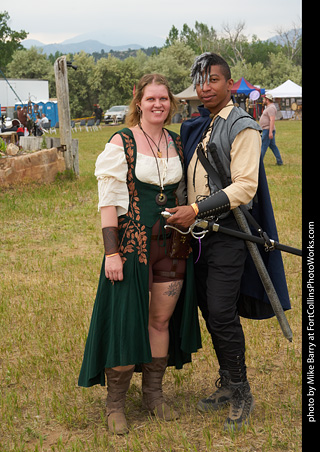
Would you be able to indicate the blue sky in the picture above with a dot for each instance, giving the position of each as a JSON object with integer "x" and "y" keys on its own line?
{"x": 147, "y": 23}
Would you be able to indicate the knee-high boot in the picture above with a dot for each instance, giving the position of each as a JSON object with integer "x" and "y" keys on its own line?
{"x": 118, "y": 384}
{"x": 152, "y": 396}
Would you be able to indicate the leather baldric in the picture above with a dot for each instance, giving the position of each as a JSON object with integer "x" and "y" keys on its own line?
{"x": 197, "y": 175}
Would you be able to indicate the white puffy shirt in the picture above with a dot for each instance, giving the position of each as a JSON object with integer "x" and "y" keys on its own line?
{"x": 111, "y": 172}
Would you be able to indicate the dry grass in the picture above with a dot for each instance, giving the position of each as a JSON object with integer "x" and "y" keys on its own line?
{"x": 50, "y": 258}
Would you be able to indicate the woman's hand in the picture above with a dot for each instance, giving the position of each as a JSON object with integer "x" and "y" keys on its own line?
{"x": 114, "y": 268}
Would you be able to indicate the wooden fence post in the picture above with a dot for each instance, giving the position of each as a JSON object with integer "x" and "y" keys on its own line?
{"x": 71, "y": 152}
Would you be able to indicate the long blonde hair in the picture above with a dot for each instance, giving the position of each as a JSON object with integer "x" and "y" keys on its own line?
{"x": 134, "y": 114}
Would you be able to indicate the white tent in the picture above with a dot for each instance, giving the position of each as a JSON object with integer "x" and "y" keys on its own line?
{"x": 286, "y": 90}
{"x": 289, "y": 93}
{"x": 190, "y": 95}
{"x": 187, "y": 94}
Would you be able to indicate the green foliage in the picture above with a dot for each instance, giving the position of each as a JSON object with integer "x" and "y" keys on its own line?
{"x": 173, "y": 62}
{"x": 109, "y": 78}
{"x": 116, "y": 80}
{"x": 30, "y": 63}
{"x": 81, "y": 94}
{"x": 9, "y": 40}
{"x": 34, "y": 64}
{"x": 280, "y": 66}
{"x": 3, "y": 145}
{"x": 259, "y": 51}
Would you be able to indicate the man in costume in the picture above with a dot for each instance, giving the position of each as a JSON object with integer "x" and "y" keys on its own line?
{"x": 227, "y": 282}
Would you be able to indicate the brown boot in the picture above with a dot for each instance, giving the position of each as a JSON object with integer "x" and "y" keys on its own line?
{"x": 152, "y": 397}
{"x": 118, "y": 384}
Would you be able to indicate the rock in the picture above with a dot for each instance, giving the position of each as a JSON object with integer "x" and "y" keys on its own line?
{"x": 41, "y": 166}
{"x": 12, "y": 149}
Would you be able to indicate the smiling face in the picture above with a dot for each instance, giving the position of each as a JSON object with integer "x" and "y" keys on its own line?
{"x": 216, "y": 92}
{"x": 155, "y": 104}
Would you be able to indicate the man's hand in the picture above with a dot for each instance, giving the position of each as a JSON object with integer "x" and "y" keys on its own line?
{"x": 182, "y": 216}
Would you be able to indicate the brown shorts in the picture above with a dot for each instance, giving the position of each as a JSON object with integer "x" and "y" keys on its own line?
{"x": 161, "y": 267}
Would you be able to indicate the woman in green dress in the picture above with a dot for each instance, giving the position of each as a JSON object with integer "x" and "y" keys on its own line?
{"x": 145, "y": 312}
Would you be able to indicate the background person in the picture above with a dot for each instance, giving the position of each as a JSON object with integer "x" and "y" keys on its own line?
{"x": 37, "y": 127}
{"x": 267, "y": 123}
{"x": 23, "y": 116}
{"x": 44, "y": 119}
{"x": 97, "y": 113}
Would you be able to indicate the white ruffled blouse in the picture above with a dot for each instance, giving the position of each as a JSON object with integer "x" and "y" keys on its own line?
{"x": 111, "y": 173}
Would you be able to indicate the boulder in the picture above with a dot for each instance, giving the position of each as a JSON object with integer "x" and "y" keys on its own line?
{"x": 12, "y": 149}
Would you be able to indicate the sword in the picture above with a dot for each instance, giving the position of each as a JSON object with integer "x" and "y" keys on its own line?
{"x": 251, "y": 241}
{"x": 209, "y": 225}
{"x": 254, "y": 251}
{"x": 269, "y": 244}
{"x": 220, "y": 178}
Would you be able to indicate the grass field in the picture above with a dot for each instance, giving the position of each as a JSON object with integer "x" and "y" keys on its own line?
{"x": 50, "y": 257}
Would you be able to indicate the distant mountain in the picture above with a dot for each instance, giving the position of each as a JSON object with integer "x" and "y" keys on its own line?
{"x": 28, "y": 43}
{"x": 88, "y": 46}
{"x": 96, "y": 41}
{"x": 116, "y": 37}
{"x": 291, "y": 33}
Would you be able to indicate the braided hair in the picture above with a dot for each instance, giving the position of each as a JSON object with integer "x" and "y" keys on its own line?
{"x": 200, "y": 69}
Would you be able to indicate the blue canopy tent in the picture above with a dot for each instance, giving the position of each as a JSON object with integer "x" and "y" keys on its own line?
{"x": 242, "y": 86}
{"x": 243, "y": 89}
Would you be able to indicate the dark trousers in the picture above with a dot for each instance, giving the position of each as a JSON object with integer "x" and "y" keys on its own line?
{"x": 218, "y": 275}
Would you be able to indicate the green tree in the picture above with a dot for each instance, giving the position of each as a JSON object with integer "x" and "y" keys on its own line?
{"x": 200, "y": 39}
{"x": 32, "y": 64}
{"x": 53, "y": 57}
{"x": 9, "y": 40}
{"x": 291, "y": 41}
{"x": 81, "y": 95}
{"x": 259, "y": 51}
{"x": 254, "y": 73}
{"x": 172, "y": 37}
{"x": 235, "y": 43}
{"x": 113, "y": 80}
{"x": 174, "y": 63}
{"x": 109, "y": 79}
{"x": 280, "y": 69}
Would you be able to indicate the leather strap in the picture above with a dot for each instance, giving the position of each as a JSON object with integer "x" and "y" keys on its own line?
{"x": 214, "y": 176}
{"x": 172, "y": 275}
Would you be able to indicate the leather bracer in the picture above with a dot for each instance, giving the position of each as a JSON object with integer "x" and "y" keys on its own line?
{"x": 214, "y": 205}
{"x": 110, "y": 240}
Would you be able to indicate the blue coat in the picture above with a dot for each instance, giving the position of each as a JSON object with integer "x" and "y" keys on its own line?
{"x": 253, "y": 302}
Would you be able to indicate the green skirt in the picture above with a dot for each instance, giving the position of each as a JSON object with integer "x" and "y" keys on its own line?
{"x": 118, "y": 333}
